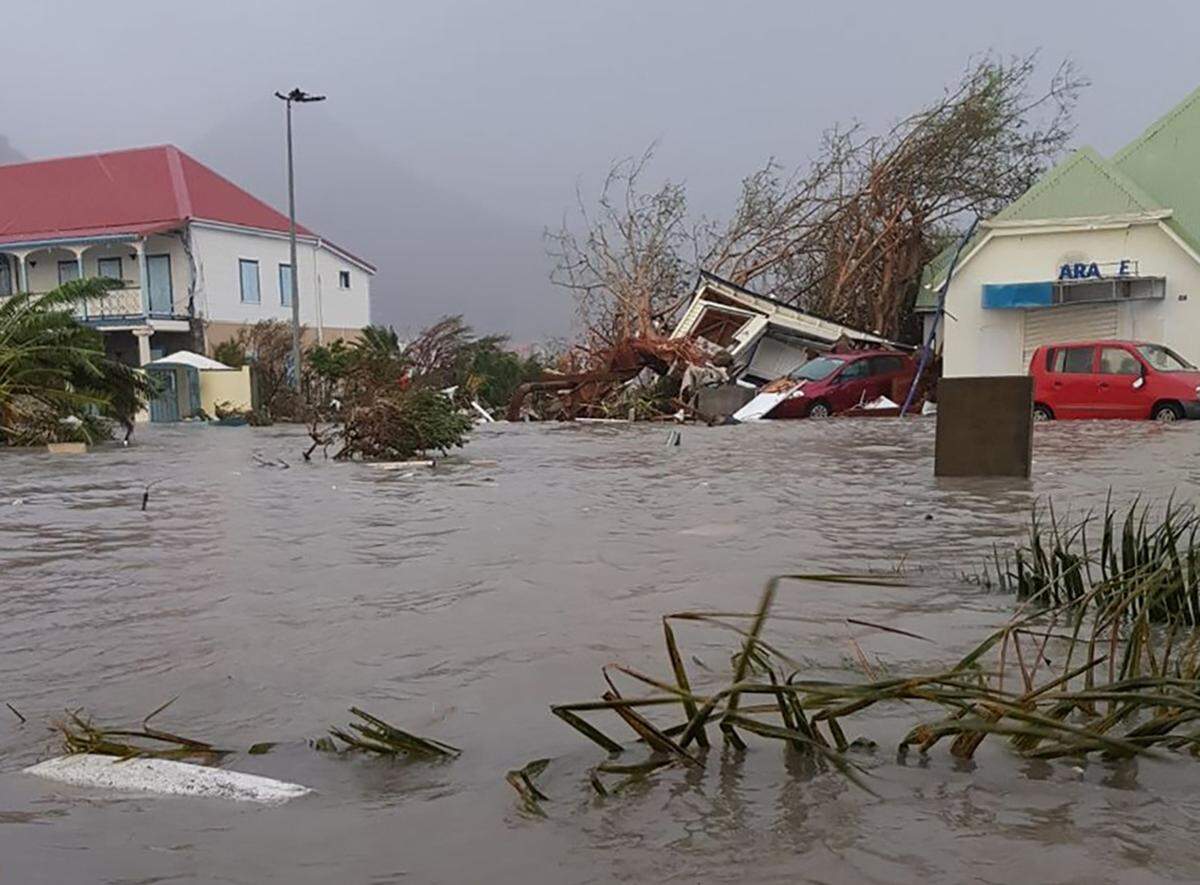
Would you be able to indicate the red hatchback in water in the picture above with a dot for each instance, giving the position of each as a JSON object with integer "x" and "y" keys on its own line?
{"x": 1113, "y": 379}
{"x": 835, "y": 382}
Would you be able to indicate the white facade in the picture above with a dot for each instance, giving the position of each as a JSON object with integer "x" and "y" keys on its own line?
{"x": 196, "y": 283}
{"x": 979, "y": 340}
{"x": 335, "y": 290}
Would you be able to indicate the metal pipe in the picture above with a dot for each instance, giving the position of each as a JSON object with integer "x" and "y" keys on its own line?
{"x": 300, "y": 96}
{"x": 295, "y": 277}
{"x": 927, "y": 348}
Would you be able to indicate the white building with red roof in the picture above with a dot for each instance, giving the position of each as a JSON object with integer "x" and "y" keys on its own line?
{"x": 200, "y": 257}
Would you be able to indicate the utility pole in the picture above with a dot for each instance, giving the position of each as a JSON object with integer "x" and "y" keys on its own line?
{"x": 297, "y": 95}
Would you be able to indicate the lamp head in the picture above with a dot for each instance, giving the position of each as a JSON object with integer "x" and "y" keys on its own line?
{"x": 299, "y": 95}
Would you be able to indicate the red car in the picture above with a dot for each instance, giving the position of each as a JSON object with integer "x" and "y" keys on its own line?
{"x": 1113, "y": 379}
{"x": 835, "y": 382}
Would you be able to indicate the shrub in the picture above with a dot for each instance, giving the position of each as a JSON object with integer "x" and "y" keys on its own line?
{"x": 230, "y": 353}
{"x": 396, "y": 425}
{"x": 57, "y": 384}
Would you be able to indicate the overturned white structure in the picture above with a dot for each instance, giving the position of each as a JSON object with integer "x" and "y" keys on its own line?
{"x": 766, "y": 338}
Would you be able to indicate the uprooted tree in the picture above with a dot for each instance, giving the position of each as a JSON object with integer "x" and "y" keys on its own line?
{"x": 380, "y": 412}
{"x": 845, "y": 238}
{"x": 388, "y": 400}
{"x": 267, "y": 347}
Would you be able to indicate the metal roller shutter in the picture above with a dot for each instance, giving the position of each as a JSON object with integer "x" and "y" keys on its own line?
{"x": 774, "y": 359}
{"x": 1075, "y": 322}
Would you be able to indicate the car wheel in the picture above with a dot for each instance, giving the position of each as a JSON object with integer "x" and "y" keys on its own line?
{"x": 1042, "y": 413}
{"x": 818, "y": 410}
{"x": 1167, "y": 412}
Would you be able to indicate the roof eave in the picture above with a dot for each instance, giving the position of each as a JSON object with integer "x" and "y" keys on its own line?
{"x": 306, "y": 236}
{"x": 1007, "y": 227}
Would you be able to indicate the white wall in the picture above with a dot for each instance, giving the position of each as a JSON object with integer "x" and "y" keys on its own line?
{"x": 322, "y": 302}
{"x": 990, "y": 342}
{"x": 342, "y": 308}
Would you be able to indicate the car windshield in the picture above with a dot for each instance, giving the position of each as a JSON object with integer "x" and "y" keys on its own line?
{"x": 817, "y": 369}
{"x": 1163, "y": 358}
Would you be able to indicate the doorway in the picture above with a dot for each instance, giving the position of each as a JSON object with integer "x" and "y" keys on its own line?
{"x": 158, "y": 285}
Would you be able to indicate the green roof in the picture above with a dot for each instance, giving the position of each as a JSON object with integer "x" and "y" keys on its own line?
{"x": 1158, "y": 171}
{"x": 1165, "y": 161}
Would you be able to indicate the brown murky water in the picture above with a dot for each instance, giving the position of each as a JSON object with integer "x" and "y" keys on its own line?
{"x": 460, "y": 604}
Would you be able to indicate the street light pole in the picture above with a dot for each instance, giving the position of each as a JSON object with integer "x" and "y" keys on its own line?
{"x": 297, "y": 95}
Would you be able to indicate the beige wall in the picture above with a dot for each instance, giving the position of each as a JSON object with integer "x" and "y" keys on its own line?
{"x": 42, "y": 274}
{"x": 216, "y": 333}
{"x": 990, "y": 342}
{"x": 222, "y": 386}
{"x": 42, "y": 265}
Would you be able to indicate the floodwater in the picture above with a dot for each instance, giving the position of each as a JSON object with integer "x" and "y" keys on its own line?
{"x": 461, "y": 603}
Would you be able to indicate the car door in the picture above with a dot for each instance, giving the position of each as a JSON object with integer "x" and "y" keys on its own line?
{"x": 1072, "y": 382}
{"x": 1117, "y": 372}
{"x": 884, "y": 372}
{"x": 851, "y": 386}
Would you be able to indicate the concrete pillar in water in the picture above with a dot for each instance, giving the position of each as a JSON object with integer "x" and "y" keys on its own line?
{"x": 984, "y": 427}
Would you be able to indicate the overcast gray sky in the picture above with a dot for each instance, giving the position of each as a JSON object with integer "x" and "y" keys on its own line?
{"x": 457, "y": 129}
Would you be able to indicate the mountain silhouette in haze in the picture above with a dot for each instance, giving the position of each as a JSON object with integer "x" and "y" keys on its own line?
{"x": 8, "y": 153}
{"x": 437, "y": 252}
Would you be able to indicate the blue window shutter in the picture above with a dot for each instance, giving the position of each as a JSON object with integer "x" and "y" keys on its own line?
{"x": 1014, "y": 295}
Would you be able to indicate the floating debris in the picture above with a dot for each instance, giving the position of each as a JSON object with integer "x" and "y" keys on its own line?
{"x": 522, "y": 780}
{"x": 376, "y": 736}
{"x": 146, "y": 493}
{"x": 81, "y": 735}
{"x": 1147, "y": 682}
{"x": 270, "y": 462}
{"x": 67, "y": 448}
{"x": 403, "y": 465}
{"x": 166, "y": 777}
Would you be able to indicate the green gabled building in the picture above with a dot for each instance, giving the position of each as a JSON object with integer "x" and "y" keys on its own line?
{"x": 1098, "y": 248}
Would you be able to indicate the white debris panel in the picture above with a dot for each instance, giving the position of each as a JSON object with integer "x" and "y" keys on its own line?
{"x": 166, "y": 778}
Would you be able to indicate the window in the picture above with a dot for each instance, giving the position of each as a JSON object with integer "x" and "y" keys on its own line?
{"x": 1163, "y": 358}
{"x": 6, "y": 277}
{"x": 886, "y": 365}
{"x": 1074, "y": 360}
{"x": 285, "y": 285}
{"x": 817, "y": 369}
{"x": 1118, "y": 361}
{"x": 854, "y": 371}
{"x": 343, "y": 279}
{"x": 249, "y": 274}
{"x": 109, "y": 268}
{"x": 67, "y": 271}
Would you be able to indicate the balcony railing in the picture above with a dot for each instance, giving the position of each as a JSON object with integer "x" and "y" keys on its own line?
{"x": 114, "y": 304}
{"x": 117, "y": 304}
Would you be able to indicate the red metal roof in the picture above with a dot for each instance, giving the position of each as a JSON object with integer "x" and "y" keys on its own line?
{"x": 136, "y": 191}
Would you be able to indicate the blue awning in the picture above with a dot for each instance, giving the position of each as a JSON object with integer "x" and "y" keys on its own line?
{"x": 1015, "y": 295}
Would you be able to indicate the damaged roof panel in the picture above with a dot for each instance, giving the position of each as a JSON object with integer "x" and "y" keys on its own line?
{"x": 713, "y": 294}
